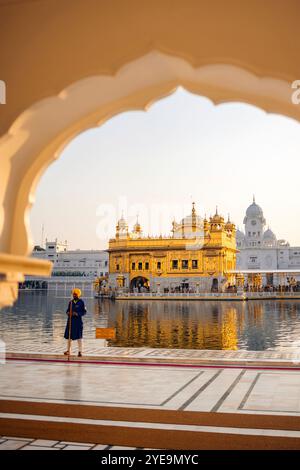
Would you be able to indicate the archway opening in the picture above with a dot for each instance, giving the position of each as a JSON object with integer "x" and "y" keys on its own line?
{"x": 172, "y": 146}
{"x": 139, "y": 284}
{"x": 175, "y": 178}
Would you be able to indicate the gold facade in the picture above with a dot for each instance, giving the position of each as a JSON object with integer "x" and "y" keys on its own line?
{"x": 198, "y": 255}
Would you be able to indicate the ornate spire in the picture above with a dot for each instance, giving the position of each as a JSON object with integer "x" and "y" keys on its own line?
{"x": 174, "y": 226}
{"x": 230, "y": 227}
{"x": 194, "y": 218}
{"x": 205, "y": 224}
{"x": 193, "y": 209}
{"x": 137, "y": 226}
{"x": 229, "y": 221}
{"x": 121, "y": 227}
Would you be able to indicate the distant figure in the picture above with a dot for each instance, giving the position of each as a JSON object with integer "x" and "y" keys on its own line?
{"x": 74, "y": 331}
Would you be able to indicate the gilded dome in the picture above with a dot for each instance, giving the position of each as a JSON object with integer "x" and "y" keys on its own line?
{"x": 121, "y": 224}
{"x": 191, "y": 225}
{"x": 191, "y": 220}
{"x": 217, "y": 218}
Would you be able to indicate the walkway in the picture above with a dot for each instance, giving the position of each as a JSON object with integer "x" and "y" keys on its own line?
{"x": 23, "y": 443}
{"x": 153, "y": 404}
{"x": 94, "y": 352}
{"x": 237, "y": 390}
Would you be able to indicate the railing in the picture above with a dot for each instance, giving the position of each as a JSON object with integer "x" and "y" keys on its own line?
{"x": 272, "y": 294}
{"x": 179, "y": 294}
{"x": 239, "y": 295}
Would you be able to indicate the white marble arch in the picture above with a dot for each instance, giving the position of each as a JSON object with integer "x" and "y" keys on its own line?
{"x": 39, "y": 134}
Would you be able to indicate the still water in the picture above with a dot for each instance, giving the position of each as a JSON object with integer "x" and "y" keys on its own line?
{"x": 39, "y": 318}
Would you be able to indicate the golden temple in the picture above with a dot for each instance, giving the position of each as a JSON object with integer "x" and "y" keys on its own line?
{"x": 197, "y": 256}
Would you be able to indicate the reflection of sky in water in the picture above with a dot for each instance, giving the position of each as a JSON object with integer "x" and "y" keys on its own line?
{"x": 254, "y": 325}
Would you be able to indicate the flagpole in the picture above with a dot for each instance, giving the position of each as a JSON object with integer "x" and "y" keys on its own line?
{"x": 69, "y": 340}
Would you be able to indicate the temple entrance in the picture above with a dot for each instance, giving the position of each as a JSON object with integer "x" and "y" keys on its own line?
{"x": 215, "y": 285}
{"x": 139, "y": 284}
{"x": 270, "y": 279}
{"x": 184, "y": 286}
{"x": 255, "y": 282}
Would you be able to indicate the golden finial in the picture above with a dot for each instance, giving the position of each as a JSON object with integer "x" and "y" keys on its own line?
{"x": 193, "y": 209}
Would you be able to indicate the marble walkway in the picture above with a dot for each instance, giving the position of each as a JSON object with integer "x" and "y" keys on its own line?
{"x": 94, "y": 351}
{"x": 244, "y": 383}
{"x": 23, "y": 443}
{"x": 217, "y": 389}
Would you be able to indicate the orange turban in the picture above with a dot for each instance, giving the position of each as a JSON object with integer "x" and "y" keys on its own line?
{"x": 76, "y": 291}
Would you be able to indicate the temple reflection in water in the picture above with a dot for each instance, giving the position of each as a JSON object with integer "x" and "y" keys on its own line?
{"x": 40, "y": 317}
{"x": 256, "y": 325}
{"x": 177, "y": 325}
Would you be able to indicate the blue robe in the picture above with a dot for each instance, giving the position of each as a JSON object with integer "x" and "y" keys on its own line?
{"x": 76, "y": 322}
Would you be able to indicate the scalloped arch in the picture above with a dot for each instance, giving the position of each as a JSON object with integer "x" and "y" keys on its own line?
{"x": 39, "y": 134}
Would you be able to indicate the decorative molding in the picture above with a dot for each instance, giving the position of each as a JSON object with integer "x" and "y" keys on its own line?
{"x": 12, "y": 271}
{"x": 24, "y": 265}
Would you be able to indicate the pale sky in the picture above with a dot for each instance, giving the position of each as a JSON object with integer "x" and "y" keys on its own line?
{"x": 155, "y": 163}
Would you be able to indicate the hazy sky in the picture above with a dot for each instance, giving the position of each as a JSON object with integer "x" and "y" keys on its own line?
{"x": 155, "y": 163}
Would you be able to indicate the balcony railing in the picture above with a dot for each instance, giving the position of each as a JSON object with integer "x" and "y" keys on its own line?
{"x": 217, "y": 295}
{"x": 178, "y": 294}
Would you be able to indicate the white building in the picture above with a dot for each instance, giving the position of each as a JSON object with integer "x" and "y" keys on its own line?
{"x": 261, "y": 249}
{"x": 80, "y": 267}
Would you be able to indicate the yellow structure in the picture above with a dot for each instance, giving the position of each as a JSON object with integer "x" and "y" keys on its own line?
{"x": 196, "y": 257}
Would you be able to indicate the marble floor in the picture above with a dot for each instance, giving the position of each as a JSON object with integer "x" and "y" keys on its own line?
{"x": 140, "y": 397}
{"x": 215, "y": 389}
{"x": 94, "y": 350}
{"x": 23, "y": 443}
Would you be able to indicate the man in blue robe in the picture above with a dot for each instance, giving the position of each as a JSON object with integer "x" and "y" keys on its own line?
{"x": 74, "y": 331}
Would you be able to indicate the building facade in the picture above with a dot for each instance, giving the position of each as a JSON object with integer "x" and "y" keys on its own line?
{"x": 197, "y": 256}
{"x": 69, "y": 266}
{"x": 259, "y": 248}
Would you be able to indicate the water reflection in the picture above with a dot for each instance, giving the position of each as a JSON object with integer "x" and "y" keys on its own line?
{"x": 40, "y": 318}
{"x": 174, "y": 324}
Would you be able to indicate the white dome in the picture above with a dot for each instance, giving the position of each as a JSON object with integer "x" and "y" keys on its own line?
{"x": 254, "y": 211}
{"x": 240, "y": 235}
{"x": 269, "y": 235}
{"x": 269, "y": 239}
